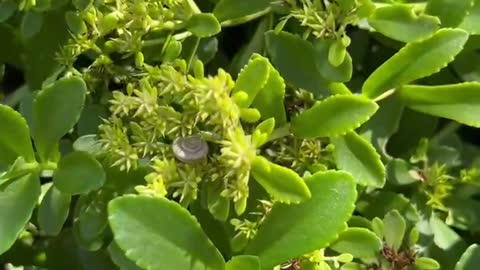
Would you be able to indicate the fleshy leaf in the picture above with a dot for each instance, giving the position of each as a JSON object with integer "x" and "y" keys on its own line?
{"x": 383, "y": 124}
{"x": 119, "y": 258}
{"x": 78, "y": 173}
{"x": 470, "y": 21}
{"x": 166, "y": 235}
{"x": 377, "y": 204}
{"x": 269, "y": 100}
{"x": 294, "y": 58}
{"x": 395, "y": 227}
{"x": 356, "y": 156}
{"x": 17, "y": 201}
{"x": 243, "y": 262}
{"x": 14, "y": 137}
{"x": 262, "y": 132}
{"x": 283, "y": 184}
{"x": 333, "y": 116}
{"x": 400, "y": 22}
{"x": 56, "y": 110}
{"x": 53, "y": 211}
{"x": 451, "y": 13}
{"x": 91, "y": 219}
{"x": 459, "y": 102}
{"x": 340, "y": 73}
{"x": 416, "y": 60}
{"x": 292, "y": 230}
{"x": 252, "y": 78}
{"x": 360, "y": 242}
{"x": 470, "y": 259}
{"x": 425, "y": 263}
{"x": 203, "y": 25}
{"x": 232, "y": 10}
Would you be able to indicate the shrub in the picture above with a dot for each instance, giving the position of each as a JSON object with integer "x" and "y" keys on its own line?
{"x": 239, "y": 135}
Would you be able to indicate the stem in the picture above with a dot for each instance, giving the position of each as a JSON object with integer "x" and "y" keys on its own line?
{"x": 384, "y": 95}
{"x": 245, "y": 19}
{"x": 193, "y": 6}
{"x": 192, "y": 55}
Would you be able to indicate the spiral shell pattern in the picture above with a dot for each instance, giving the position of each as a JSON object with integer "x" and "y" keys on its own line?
{"x": 190, "y": 149}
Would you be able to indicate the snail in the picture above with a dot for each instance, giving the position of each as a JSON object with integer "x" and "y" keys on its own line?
{"x": 190, "y": 149}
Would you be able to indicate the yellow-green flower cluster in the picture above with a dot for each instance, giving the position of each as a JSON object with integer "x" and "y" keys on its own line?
{"x": 165, "y": 103}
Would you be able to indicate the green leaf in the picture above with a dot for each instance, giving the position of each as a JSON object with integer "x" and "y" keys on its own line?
{"x": 166, "y": 235}
{"x": 243, "y": 262}
{"x": 269, "y": 100}
{"x": 470, "y": 259}
{"x": 395, "y": 227}
{"x": 252, "y": 78}
{"x": 11, "y": 46}
{"x": 283, "y": 184}
{"x": 294, "y": 58}
{"x": 356, "y": 156}
{"x": 49, "y": 40}
{"x": 292, "y": 230}
{"x": 57, "y": 107}
{"x": 340, "y": 73}
{"x": 262, "y": 132}
{"x": 416, "y": 60}
{"x": 91, "y": 219}
{"x": 400, "y": 22}
{"x": 470, "y": 21}
{"x": 360, "y": 242}
{"x": 17, "y": 201}
{"x": 218, "y": 205}
{"x": 7, "y": 8}
{"x": 231, "y": 10}
{"x": 53, "y": 211}
{"x": 383, "y": 124}
{"x": 377, "y": 204}
{"x": 203, "y": 25}
{"x": 426, "y": 263}
{"x": 255, "y": 45}
{"x": 78, "y": 173}
{"x": 399, "y": 172}
{"x": 14, "y": 137}
{"x": 459, "y": 102}
{"x": 31, "y": 24}
{"x": 120, "y": 259}
{"x": 450, "y": 12}
{"x": 333, "y": 116}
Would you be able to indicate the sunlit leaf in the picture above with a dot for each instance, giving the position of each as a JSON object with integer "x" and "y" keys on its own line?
{"x": 356, "y": 156}
{"x": 416, "y": 60}
{"x": 360, "y": 242}
{"x": 400, "y": 22}
{"x": 292, "y": 230}
{"x": 333, "y": 116}
{"x": 459, "y": 102}
{"x": 166, "y": 235}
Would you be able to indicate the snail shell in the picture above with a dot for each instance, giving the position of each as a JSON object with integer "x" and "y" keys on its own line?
{"x": 190, "y": 149}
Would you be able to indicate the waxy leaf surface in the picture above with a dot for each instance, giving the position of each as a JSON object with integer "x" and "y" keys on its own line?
{"x": 333, "y": 116}
{"x": 166, "y": 235}
{"x": 56, "y": 109}
{"x": 281, "y": 183}
{"x": 358, "y": 157}
{"x": 416, "y": 60}
{"x": 459, "y": 102}
{"x": 400, "y": 22}
{"x": 17, "y": 201}
{"x": 14, "y": 137}
{"x": 293, "y": 230}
